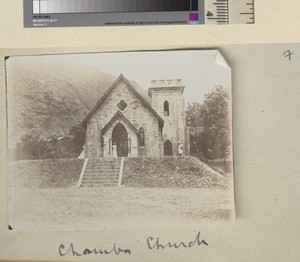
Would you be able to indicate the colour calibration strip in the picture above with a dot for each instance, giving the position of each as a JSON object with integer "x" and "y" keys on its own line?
{"x": 67, "y": 13}
{"x": 111, "y": 6}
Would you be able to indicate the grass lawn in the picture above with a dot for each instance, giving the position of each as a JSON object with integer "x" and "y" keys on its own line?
{"x": 95, "y": 207}
{"x": 155, "y": 191}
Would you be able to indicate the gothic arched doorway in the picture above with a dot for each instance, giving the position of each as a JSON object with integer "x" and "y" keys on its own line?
{"x": 120, "y": 138}
{"x": 168, "y": 148}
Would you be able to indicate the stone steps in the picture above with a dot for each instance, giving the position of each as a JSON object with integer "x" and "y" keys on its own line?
{"x": 96, "y": 185}
{"x": 97, "y": 176}
{"x": 102, "y": 173}
{"x": 104, "y": 170}
{"x": 101, "y": 179}
{"x": 100, "y": 183}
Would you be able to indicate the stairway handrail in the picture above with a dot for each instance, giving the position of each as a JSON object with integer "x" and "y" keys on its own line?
{"x": 82, "y": 172}
{"x": 121, "y": 172}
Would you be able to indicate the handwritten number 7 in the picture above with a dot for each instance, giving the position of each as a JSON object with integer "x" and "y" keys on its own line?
{"x": 288, "y": 54}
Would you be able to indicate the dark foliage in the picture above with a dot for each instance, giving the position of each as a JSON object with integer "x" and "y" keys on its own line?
{"x": 65, "y": 147}
{"x": 209, "y": 122}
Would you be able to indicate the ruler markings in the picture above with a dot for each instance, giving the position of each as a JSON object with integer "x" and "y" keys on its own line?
{"x": 250, "y": 6}
{"x": 230, "y": 11}
{"x": 217, "y": 11}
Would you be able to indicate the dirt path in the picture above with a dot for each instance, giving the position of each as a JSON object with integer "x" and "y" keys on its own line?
{"x": 87, "y": 207}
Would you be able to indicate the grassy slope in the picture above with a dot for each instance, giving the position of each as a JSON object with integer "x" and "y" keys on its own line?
{"x": 174, "y": 172}
{"x": 223, "y": 167}
{"x": 45, "y": 173}
{"x": 156, "y": 172}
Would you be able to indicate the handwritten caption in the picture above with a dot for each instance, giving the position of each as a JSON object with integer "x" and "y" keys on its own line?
{"x": 152, "y": 243}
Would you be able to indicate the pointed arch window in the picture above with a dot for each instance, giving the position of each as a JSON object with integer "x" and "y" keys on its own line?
{"x": 141, "y": 137}
{"x": 166, "y": 108}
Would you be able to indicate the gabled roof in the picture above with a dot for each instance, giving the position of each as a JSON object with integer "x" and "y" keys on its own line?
{"x": 118, "y": 114}
{"x": 142, "y": 99}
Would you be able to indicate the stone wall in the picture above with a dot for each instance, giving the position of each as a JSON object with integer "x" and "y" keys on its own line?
{"x": 174, "y": 124}
{"x": 136, "y": 112}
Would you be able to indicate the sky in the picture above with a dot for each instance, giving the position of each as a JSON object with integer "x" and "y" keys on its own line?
{"x": 200, "y": 70}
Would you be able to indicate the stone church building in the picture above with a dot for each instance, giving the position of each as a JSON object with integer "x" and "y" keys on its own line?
{"x": 137, "y": 124}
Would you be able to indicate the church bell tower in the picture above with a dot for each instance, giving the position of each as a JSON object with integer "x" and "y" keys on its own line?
{"x": 167, "y": 100}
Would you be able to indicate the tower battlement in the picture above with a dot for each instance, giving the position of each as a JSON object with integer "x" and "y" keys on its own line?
{"x": 165, "y": 82}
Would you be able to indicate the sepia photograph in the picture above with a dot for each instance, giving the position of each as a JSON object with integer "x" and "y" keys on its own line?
{"x": 126, "y": 138}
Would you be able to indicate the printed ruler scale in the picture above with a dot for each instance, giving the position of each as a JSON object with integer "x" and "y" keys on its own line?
{"x": 66, "y": 13}
{"x": 229, "y": 12}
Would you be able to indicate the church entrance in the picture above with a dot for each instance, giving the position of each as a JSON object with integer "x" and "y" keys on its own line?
{"x": 168, "y": 148}
{"x": 120, "y": 139}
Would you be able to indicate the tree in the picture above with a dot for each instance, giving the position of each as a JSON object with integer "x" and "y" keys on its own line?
{"x": 78, "y": 136}
{"x": 28, "y": 147}
{"x": 210, "y": 125}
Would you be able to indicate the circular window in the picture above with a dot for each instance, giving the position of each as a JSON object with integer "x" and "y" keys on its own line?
{"x": 122, "y": 105}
